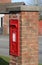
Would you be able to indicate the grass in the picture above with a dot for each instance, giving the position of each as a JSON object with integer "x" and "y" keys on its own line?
{"x": 5, "y": 60}
{"x": 40, "y": 64}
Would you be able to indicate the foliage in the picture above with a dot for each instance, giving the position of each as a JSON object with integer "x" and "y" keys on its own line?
{"x": 4, "y": 60}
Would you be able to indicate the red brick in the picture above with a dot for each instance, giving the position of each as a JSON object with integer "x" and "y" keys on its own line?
{"x": 28, "y": 39}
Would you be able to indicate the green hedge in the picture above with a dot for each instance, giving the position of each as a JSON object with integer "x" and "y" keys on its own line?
{"x": 4, "y": 60}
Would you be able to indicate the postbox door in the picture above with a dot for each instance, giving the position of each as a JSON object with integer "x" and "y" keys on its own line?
{"x": 14, "y": 38}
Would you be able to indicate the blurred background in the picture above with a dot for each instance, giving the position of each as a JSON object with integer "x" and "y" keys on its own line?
{"x": 4, "y": 28}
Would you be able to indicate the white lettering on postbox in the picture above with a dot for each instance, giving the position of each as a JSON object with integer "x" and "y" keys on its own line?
{"x": 14, "y": 37}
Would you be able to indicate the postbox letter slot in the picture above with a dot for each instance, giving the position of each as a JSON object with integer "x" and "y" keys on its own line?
{"x": 13, "y": 26}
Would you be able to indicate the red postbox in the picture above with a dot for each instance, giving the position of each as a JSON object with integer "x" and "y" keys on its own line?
{"x": 14, "y": 37}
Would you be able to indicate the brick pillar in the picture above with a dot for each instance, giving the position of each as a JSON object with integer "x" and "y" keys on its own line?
{"x": 28, "y": 40}
{"x": 13, "y": 59}
{"x": 29, "y": 36}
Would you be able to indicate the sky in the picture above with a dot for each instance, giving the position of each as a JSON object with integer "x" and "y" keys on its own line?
{"x": 26, "y": 1}
{"x": 29, "y": 2}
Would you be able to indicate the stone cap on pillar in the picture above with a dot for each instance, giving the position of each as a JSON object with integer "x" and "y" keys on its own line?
{"x": 6, "y": 8}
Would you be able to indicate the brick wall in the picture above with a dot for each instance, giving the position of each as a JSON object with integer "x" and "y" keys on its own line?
{"x": 6, "y": 24}
{"x": 28, "y": 40}
{"x": 40, "y": 27}
{"x": 5, "y": 19}
{"x": 5, "y": 1}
